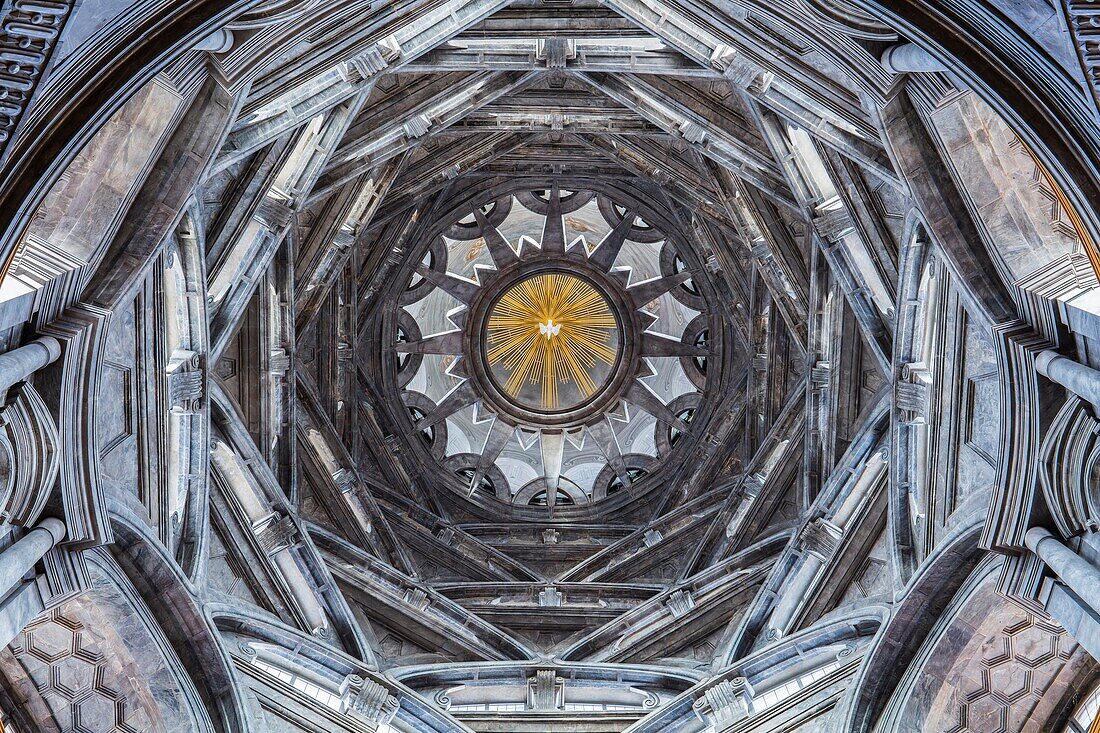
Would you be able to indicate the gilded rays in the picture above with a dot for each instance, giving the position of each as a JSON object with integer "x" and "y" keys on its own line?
{"x": 552, "y": 330}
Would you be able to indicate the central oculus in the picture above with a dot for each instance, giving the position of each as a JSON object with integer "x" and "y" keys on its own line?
{"x": 551, "y": 342}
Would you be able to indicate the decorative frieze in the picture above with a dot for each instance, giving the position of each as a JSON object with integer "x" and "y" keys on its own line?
{"x": 28, "y": 37}
{"x": 1084, "y": 23}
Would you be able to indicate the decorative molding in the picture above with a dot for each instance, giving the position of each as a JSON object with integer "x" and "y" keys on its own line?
{"x": 69, "y": 390}
{"x": 725, "y": 702}
{"x": 186, "y": 380}
{"x": 371, "y": 62}
{"x": 1068, "y": 453}
{"x": 545, "y": 690}
{"x": 417, "y": 126}
{"x": 31, "y": 436}
{"x": 28, "y": 36}
{"x": 680, "y": 603}
{"x": 911, "y": 393}
{"x": 1083, "y": 18}
{"x": 1014, "y": 491}
{"x": 550, "y": 597}
{"x": 821, "y": 538}
{"x": 371, "y": 702}
{"x": 54, "y": 276}
{"x": 833, "y": 224}
{"x": 278, "y": 535}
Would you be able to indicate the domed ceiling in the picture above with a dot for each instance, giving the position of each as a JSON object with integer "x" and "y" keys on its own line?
{"x": 552, "y": 348}
{"x": 543, "y": 366}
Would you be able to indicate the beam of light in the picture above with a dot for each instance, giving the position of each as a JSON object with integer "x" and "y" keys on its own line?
{"x": 551, "y": 329}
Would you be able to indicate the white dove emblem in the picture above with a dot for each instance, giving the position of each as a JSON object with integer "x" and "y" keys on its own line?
{"x": 549, "y": 328}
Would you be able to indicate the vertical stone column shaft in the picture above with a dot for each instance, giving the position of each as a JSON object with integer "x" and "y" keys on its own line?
{"x": 21, "y": 557}
{"x": 1073, "y": 570}
{"x": 1083, "y": 381}
{"x": 20, "y": 363}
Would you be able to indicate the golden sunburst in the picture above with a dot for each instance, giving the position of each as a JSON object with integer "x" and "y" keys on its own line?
{"x": 552, "y": 329}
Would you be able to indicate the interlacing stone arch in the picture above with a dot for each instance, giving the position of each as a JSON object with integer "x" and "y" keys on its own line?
{"x": 520, "y": 365}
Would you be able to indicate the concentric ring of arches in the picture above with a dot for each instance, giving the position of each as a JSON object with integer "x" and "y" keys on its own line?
{"x": 496, "y": 459}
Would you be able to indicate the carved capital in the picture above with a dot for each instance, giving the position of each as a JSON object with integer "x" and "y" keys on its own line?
{"x": 556, "y": 52}
{"x": 278, "y": 535}
{"x": 545, "y": 691}
{"x": 832, "y": 224}
{"x": 680, "y": 603}
{"x": 371, "y": 62}
{"x": 725, "y": 702}
{"x": 820, "y": 538}
{"x": 911, "y": 393}
{"x": 186, "y": 381}
{"x": 370, "y": 702}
